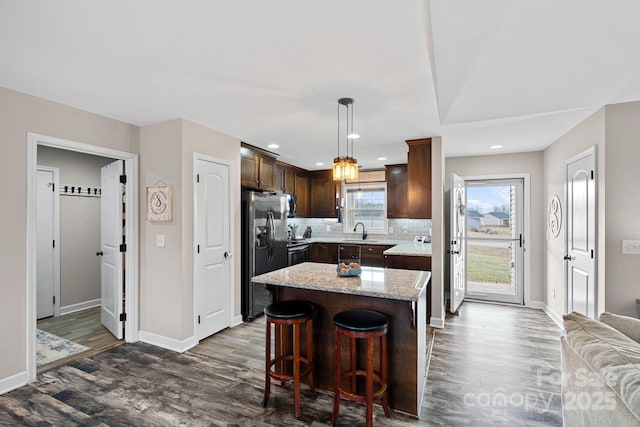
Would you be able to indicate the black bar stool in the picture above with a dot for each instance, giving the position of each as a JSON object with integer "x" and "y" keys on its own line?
{"x": 281, "y": 315}
{"x": 361, "y": 324}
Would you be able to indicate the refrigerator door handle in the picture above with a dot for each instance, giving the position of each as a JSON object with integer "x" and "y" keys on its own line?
{"x": 269, "y": 230}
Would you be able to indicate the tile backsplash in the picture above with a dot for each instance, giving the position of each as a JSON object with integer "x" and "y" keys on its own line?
{"x": 403, "y": 229}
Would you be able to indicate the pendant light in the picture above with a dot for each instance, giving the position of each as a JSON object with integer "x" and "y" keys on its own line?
{"x": 346, "y": 167}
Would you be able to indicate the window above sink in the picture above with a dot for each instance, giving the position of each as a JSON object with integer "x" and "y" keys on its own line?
{"x": 365, "y": 203}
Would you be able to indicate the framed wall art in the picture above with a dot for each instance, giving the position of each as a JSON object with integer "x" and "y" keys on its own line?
{"x": 159, "y": 203}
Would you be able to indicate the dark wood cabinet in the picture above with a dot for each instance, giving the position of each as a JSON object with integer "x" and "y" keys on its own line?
{"x": 323, "y": 252}
{"x": 419, "y": 179}
{"x": 408, "y": 262}
{"x": 289, "y": 180}
{"x": 370, "y": 255}
{"x": 323, "y": 194}
{"x": 302, "y": 194}
{"x": 396, "y": 177}
{"x": 257, "y": 168}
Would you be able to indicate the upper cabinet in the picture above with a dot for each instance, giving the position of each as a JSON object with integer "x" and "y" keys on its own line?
{"x": 302, "y": 192}
{"x": 396, "y": 177}
{"x": 257, "y": 168}
{"x": 324, "y": 203}
{"x": 419, "y": 179}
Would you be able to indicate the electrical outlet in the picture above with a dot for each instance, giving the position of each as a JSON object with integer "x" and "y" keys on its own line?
{"x": 390, "y": 229}
{"x": 328, "y": 228}
{"x": 160, "y": 240}
{"x": 631, "y": 247}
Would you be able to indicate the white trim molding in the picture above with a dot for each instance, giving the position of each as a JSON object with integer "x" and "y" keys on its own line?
{"x": 72, "y": 308}
{"x": 14, "y": 381}
{"x": 237, "y": 321}
{"x": 166, "y": 342}
{"x": 539, "y": 305}
{"x": 437, "y": 322}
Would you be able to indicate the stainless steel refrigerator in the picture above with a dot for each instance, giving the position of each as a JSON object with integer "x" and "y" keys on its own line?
{"x": 264, "y": 246}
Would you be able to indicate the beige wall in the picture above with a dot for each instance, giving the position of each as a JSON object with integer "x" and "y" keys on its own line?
{"x": 520, "y": 163}
{"x": 166, "y": 274}
{"x": 622, "y": 204}
{"x": 588, "y": 134}
{"x": 19, "y": 114}
{"x": 79, "y": 224}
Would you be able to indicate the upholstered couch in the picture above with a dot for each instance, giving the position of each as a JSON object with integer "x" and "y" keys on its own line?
{"x": 601, "y": 371}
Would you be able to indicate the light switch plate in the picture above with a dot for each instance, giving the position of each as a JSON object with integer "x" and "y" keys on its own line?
{"x": 631, "y": 247}
{"x": 160, "y": 240}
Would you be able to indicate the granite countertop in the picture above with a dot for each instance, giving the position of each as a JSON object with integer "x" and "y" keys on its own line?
{"x": 388, "y": 283}
{"x": 410, "y": 249}
{"x": 354, "y": 241}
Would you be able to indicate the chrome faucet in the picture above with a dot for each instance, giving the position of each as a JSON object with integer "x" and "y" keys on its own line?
{"x": 364, "y": 231}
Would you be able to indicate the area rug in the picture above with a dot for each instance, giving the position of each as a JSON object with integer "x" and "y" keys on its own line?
{"x": 50, "y": 347}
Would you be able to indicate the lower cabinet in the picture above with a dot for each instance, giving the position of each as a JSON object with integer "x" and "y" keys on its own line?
{"x": 323, "y": 252}
{"x": 408, "y": 262}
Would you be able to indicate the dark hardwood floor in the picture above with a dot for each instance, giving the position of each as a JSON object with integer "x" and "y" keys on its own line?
{"x": 82, "y": 327}
{"x": 485, "y": 352}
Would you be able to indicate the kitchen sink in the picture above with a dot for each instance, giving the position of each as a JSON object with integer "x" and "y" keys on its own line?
{"x": 360, "y": 240}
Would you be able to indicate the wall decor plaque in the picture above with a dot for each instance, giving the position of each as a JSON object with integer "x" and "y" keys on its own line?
{"x": 159, "y": 203}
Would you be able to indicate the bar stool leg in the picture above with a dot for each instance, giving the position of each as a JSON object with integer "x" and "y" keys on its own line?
{"x": 369, "y": 383}
{"x": 296, "y": 368}
{"x": 336, "y": 379}
{"x": 383, "y": 374}
{"x": 267, "y": 379}
{"x": 354, "y": 353}
{"x": 310, "y": 354}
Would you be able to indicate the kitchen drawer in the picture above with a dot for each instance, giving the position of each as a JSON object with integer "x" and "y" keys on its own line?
{"x": 408, "y": 262}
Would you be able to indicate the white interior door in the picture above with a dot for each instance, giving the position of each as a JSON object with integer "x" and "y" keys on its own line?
{"x": 111, "y": 272}
{"x": 47, "y": 241}
{"x": 213, "y": 266}
{"x": 581, "y": 229}
{"x": 457, "y": 243}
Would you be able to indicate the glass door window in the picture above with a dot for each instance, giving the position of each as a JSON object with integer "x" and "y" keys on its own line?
{"x": 494, "y": 240}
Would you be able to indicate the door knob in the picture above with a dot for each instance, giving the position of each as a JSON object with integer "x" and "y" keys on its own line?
{"x": 569, "y": 258}
{"x": 227, "y": 254}
{"x": 99, "y": 253}
{"x": 455, "y": 252}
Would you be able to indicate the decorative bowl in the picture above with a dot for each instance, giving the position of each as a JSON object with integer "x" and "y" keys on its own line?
{"x": 348, "y": 269}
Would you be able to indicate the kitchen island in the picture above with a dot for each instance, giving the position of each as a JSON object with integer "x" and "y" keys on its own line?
{"x": 399, "y": 294}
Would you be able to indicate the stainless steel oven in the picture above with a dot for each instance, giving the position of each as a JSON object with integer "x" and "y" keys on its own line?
{"x": 298, "y": 253}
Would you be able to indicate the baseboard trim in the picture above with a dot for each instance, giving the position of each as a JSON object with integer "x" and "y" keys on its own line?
{"x": 544, "y": 307}
{"x": 67, "y": 309}
{"x": 437, "y": 322}
{"x": 166, "y": 342}
{"x": 237, "y": 321}
{"x": 13, "y": 382}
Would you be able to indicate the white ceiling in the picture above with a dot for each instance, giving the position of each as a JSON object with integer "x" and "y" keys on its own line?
{"x": 516, "y": 73}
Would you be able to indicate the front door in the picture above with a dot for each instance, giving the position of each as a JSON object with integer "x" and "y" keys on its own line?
{"x": 581, "y": 230}
{"x": 457, "y": 243}
{"x": 213, "y": 266}
{"x": 111, "y": 236}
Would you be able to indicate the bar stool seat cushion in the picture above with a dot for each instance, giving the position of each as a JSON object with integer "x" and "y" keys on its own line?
{"x": 361, "y": 320}
{"x": 285, "y": 310}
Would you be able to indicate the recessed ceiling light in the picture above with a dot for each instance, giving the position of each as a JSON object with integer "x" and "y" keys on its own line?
{"x": 496, "y": 147}
{"x": 319, "y": 164}
{"x": 353, "y": 136}
{"x": 274, "y": 146}
{"x": 382, "y": 158}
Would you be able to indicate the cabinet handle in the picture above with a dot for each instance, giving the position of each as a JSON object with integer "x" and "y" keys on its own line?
{"x": 370, "y": 250}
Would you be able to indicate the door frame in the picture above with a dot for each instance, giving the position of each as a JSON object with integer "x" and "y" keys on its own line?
{"x": 196, "y": 282}
{"x": 526, "y": 226}
{"x": 56, "y": 234}
{"x": 593, "y": 150}
{"x": 131, "y": 229}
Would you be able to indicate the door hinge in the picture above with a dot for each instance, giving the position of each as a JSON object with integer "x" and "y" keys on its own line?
{"x": 54, "y": 244}
{"x": 592, "y": 174}
{"x": 197, "y": 177}
{"x": 123, "y": 317}
{"x": 198, "y": 319}
{"x": 54, "y": 300}
{"x": 53, "y": 187}
{"x": 123, "y": 247}
{"x": 592, "y": 254}
{"x": 123, "y": 179}
{"x": 198, "y": 248}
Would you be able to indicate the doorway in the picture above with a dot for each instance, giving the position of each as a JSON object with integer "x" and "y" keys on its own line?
{"x": 494, "y": 241}
{"x": 130, "y": 230}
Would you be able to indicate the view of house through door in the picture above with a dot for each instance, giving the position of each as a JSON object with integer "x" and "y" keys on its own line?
{"x": 494, "y": 240}
{"x": 212, "y": 239}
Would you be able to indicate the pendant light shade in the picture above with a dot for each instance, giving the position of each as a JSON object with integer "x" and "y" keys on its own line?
{"x": 346, "y": 167}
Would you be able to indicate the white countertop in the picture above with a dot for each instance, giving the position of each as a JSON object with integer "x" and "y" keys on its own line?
{"x": 410, "y": 249}
{"x": 388, "y": 283}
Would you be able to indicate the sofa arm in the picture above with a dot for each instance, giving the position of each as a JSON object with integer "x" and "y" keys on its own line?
{"x": 627, "y": 325}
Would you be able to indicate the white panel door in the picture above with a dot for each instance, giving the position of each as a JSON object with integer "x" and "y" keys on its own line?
{"x": 581, "y": 240}
{"x": 47, "y": 268}
{"x": 111, "y": 272}
{"x": 457, "y": 243}
{"x": 213, "y": 252}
